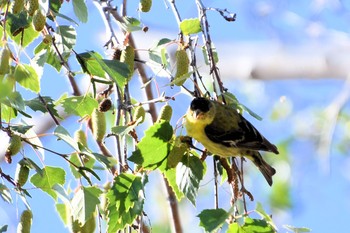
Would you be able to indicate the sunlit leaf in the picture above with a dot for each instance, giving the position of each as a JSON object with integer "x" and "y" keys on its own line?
{"x": 20, "y": 29}
{"x": 80, "y": 10}
{"x": 170, "y": 175}
{"x": 63, "y": 134}
{"x": 79, "y": 105}
{"x": 154, "y": 146}
{"x": 61, "y": 192}
{"x": 130, "y": 24}
{"x": 257, "y": 225}
{"x": 189, "y": 173}
{"x": 235, "y": 228}
{"x": 117, "y": 71}
{"x": 17, "y": 23}
{"x": 27, "y": 77}
{"x": 190, "y": 26}
{"x": 158, "y": 52}
{"x": 65, "y": 38}
{"x": 125, "y": 201}
{"x": 297, "y": 229}
{"x": 89, "y": 64}
{"x": 85, "y": 202}
{"x": 5, "y": 193}
{"x": 48, "y": 56}
{"x": 63, "y": 210}
{"x": 34, "y": 139}
{"x": 7, "y": 113}
{"x": 37, "y": 105}
{"x": 75, "y": 159}
{"x": 260, "y": 210}
{"x": 48, "y": 178}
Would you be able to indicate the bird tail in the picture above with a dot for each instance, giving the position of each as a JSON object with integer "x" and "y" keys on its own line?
{"x": 265, "y": 168}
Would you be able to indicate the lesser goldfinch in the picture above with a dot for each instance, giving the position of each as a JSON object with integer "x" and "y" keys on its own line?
{"x": 225, "y": 132}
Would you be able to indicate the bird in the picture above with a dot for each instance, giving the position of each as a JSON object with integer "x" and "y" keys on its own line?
{"x": 223, "y": 131}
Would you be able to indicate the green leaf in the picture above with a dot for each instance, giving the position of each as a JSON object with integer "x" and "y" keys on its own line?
{"x": 63, "y": 210}
{"x": 189, "y": 173}
{"x": 32, "y": 164}
{"x": 17, "y": 23}
{"x": 211, "y": 219}
{"x": 205, "y": 54}
{"x": 79, "y": 105}
{"x": 125, "y": 201}
{"x": 65, "y": 38}
{"x": 55, "y": 5}
{"x": 5, "y": 193}
{"x": 7, "y": 84}
{"x": 85, "y": 202}
{"x": 3, "y": 228}
{"x": 20, "y": 29}
{"x": 190, "y": 26}
{"x": 36, "y": 105}
{"x": 130, "y": 24}
{"x": 117, "y": 71}
{"x": 47, "y": 178}
{"x": 63, "y": 134}
{"x": 16, "y": 101}
{"x": 123, "y": 130}
{"x": 297, "y": 229}
{"x": 27, "y": 77}
{"x": 41, "y": 46}
{"x": 57, "y": 14}
{"x": 257, "y": 225}
{"x": 80, "y": 10}
{"x": 48, "y": 56}
{"x": 7, "y": 113}
{"x": 170, "y": 175}
{"x": 108, "y": 162}
{"x": 88, "y": 163}
{"x": 90, "y": 65}
{"x": 235, "y": 228}
{"x": 154, "y": 146}
{"x": 260, "y": 210}
{"x": 61, "y": 192}
{"x": 233, "y": 101}
{"x": 158, "y": 52}
{"x": 21, "y": 128}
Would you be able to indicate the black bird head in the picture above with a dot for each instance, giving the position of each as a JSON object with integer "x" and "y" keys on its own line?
{"x": 200, "y": 104}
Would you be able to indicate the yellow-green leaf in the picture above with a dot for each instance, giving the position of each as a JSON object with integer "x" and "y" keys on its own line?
{"x": 190, "y": 26}
{"x": 27, "y": 77}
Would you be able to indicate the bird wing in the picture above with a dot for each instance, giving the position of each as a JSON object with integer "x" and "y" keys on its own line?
{"x": 240, "y": 134}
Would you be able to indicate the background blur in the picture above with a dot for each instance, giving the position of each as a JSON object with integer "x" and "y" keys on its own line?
{"x": 288, "y": 61}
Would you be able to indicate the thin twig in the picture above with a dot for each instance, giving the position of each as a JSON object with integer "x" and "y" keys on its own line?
{"x": 214, "y": 70}
{"x": 48, "y": 109}
{"x": 74, "y": 85}
{"x": 228, "y": 16}
{"x": 8, "y": 178}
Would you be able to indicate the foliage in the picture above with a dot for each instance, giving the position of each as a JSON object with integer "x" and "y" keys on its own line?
{"x": 27, "y": 53}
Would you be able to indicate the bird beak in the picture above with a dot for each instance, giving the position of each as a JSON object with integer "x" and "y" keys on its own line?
{"x": 197, "y": 113}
